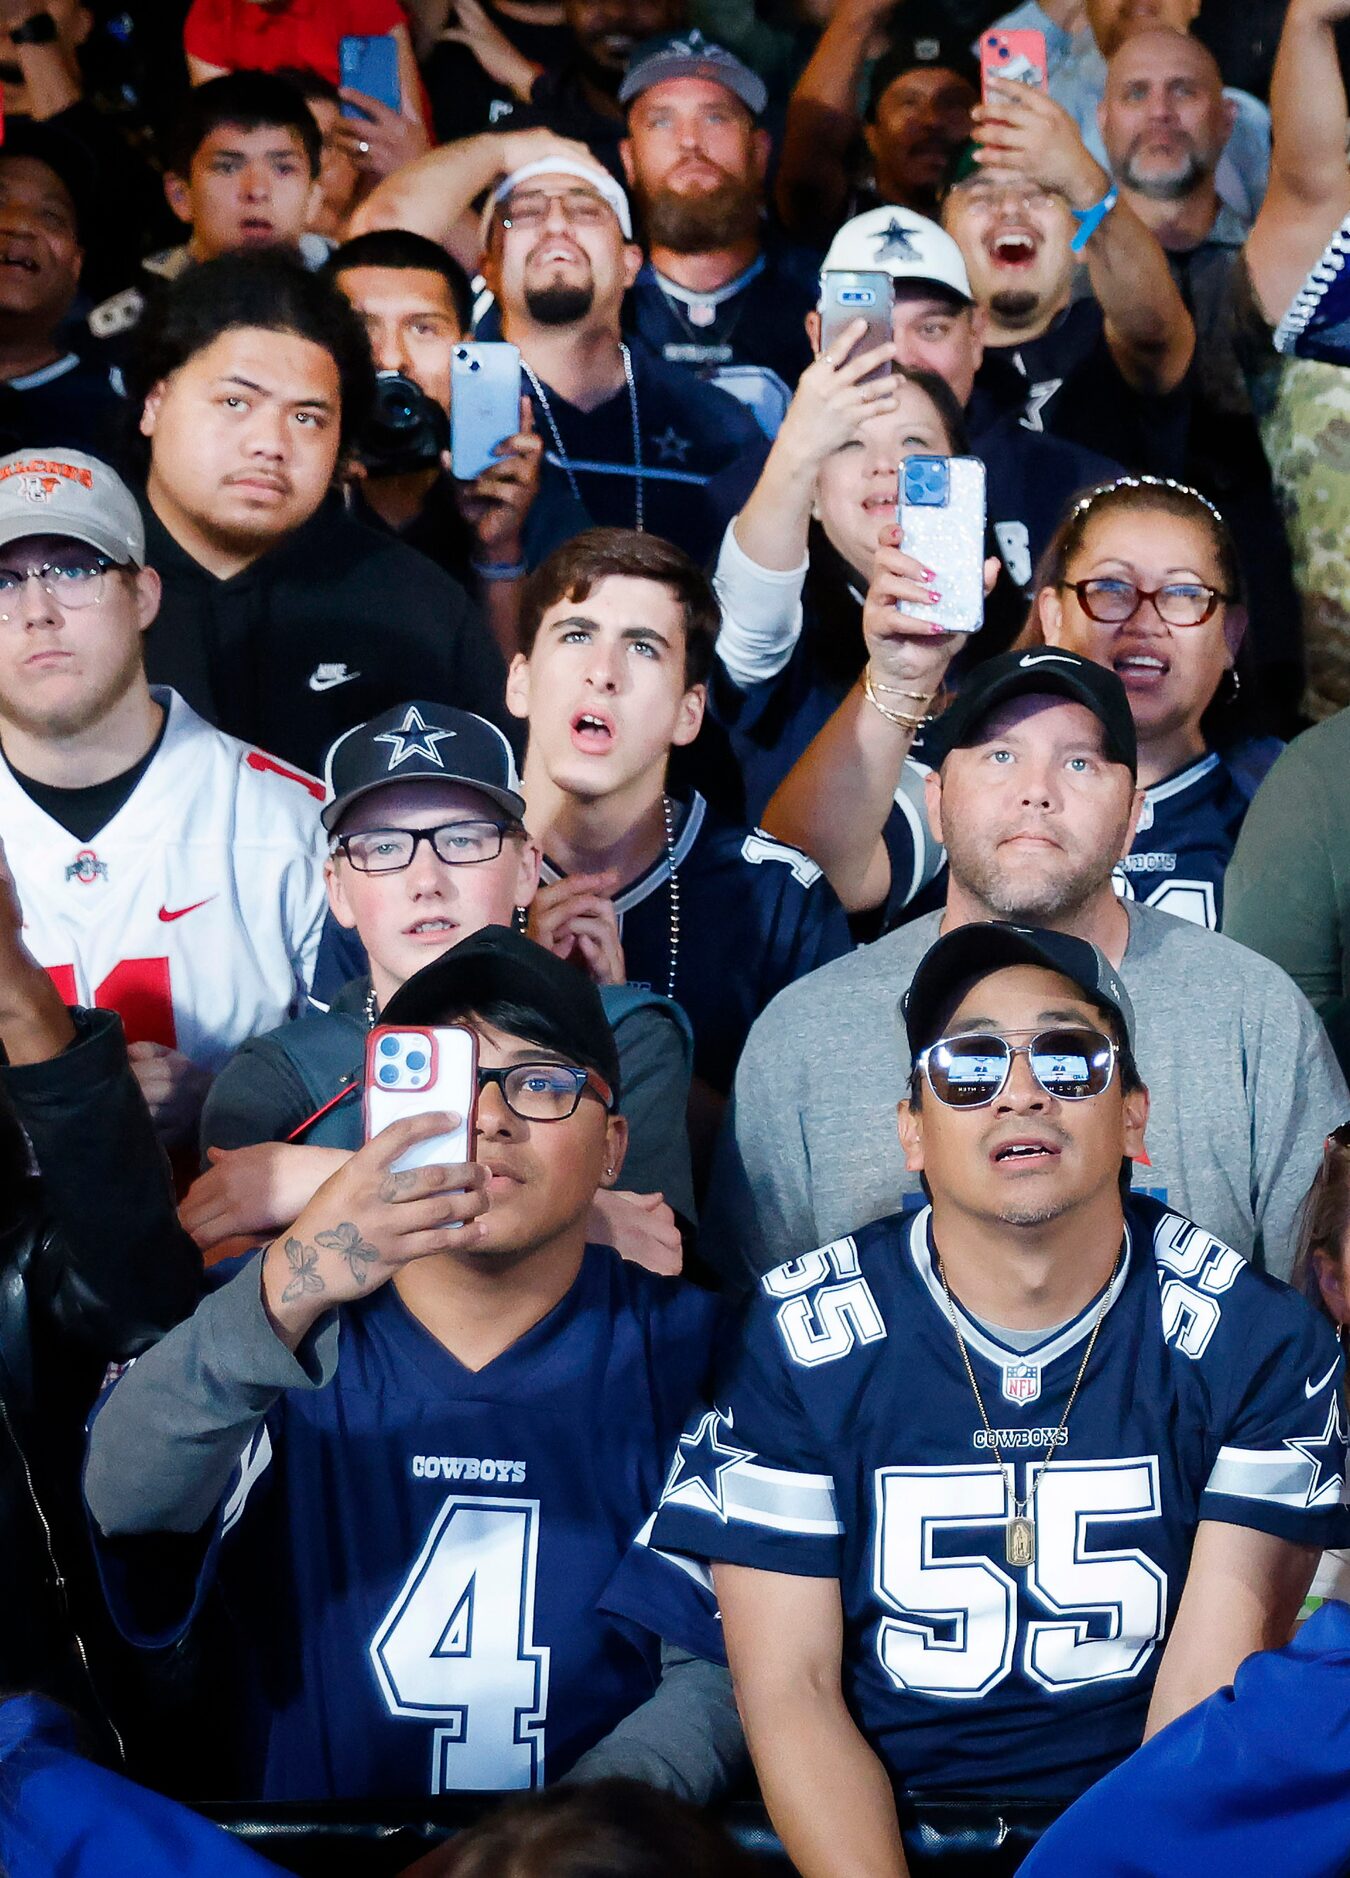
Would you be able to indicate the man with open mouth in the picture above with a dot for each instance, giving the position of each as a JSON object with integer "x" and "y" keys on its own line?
{"x": 1026, "y": 205}
{"x": 997, "y": 1488}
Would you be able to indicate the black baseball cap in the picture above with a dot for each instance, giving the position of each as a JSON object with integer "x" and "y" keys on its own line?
{"x": 497, "y": 964}
{"x": 420, "y": 742}
{"x": 959, "y": 959}
{"x": 920, "y": 51}
{"x": 1023, "y": 674}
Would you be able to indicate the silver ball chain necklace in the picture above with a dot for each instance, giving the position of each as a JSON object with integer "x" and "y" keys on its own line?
{"x": 565, "y": 462}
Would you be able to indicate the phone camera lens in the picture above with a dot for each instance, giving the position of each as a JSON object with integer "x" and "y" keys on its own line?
{"x": 388, "y": 1073}
{"x": 388, "y": 1046}
{"x": 416, "y": 1060}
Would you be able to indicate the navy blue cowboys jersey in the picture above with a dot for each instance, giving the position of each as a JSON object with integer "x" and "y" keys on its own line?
{"x": 748, "y": 337}
{"x": 846, "y": 1443}
{"x": 415, "y": 1559}
{"x": 753, "y": 915}
{"x": 1187, "y": 831}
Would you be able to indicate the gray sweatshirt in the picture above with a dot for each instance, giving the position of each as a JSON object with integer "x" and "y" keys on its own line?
{"x": 1243, "y": 1083}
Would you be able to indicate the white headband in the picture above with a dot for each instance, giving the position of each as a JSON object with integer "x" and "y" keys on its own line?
{"x": 599, "y": 179}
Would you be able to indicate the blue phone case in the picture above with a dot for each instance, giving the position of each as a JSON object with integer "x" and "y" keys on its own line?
{"x": 369, "y": 62}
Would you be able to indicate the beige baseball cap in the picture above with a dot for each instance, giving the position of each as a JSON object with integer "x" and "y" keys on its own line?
{"x": 64, "y": 492}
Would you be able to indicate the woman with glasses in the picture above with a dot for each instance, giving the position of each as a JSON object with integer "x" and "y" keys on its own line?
{"x": 1142, "y": 576}
{"x": 426, "y": 848}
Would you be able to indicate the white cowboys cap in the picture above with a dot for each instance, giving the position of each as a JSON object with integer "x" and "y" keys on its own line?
{"x": 595, "y": 174}
{"x": 902, "y": 244}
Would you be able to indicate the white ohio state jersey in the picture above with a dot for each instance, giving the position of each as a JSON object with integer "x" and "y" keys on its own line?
{"x": 195, "y": 913}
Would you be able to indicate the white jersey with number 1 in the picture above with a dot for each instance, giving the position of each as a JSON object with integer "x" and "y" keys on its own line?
{"x": 195, "y": 912}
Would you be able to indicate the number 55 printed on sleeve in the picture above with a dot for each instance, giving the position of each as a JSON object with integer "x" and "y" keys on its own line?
{"x": 955, "y": 1632}
{"x": 456, "y": 1647}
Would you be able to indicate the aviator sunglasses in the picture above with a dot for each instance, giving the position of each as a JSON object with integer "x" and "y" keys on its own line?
{"x": 1070, "y": 1062}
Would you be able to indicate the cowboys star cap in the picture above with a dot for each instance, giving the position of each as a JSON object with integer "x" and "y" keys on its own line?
{"x": 595, "y": 174}
{"x": 690, "y": 55}
{"x": 902, "y": 244}
{"x": 960, "y": 959}
{"x": 420, "y": 742}
{"x": 64, "y": 492}
{"x": 1022, "y": 674}
{"x": 496, "y": 964}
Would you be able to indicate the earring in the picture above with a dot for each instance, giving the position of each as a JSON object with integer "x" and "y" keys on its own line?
{"x": 1237, "y": 681}
{"x": 520, "y": 919}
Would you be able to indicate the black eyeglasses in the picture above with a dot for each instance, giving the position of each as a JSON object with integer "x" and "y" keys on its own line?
{"x": 1069, "y": 1063}
{"x": 546, "y": 1092}
{"x": 1180, "y": 603}
{"x": 389, "y": 850}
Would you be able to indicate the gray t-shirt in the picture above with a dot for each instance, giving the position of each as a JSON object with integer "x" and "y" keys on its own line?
{"x": 1243, "y": 1084}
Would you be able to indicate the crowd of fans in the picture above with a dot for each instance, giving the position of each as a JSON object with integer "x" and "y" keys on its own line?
{"x": 641, "y": 1188}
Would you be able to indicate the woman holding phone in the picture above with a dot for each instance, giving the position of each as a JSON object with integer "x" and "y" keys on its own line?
{"x": 796, "y": 562}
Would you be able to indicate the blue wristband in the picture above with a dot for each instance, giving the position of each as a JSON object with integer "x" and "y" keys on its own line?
{"x": 499, "y": 570}
{"x": 1090, "y": 220}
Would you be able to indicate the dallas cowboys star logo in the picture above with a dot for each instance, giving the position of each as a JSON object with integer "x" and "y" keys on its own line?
{"x": 701, "y": 1460}
{"x": 1323, "y": 1452}
{"x": 670, "y": 446}
{"x": 897, "y": 241}
{"x": 1038, "y": 396}
{"x": 414, "y": 737}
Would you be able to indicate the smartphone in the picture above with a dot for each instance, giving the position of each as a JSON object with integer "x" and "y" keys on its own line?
{"x": 411, "y": 1068}
{"x": 1016, "y": 56}
{"x": 369, "y": 62}
{"x": 846, "y": 296}
{"x": 942, "y": 523}
{"x": 484, "y": 404}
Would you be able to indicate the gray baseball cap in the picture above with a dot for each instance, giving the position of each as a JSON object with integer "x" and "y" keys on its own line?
{"x": 690, "y": 55}
{"x": 64, "y": 492}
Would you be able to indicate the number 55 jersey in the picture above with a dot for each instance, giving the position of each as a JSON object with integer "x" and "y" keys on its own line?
{"x": 846, "y": 1443}
{"x": 195, "y": 912}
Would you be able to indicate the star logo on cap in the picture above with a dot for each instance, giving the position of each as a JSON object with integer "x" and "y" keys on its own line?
{"x": 896, "y": 241}
{"x": 414, "y": 737}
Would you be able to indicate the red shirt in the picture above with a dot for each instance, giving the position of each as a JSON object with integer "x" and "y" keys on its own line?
{"x": 236, "y": 33}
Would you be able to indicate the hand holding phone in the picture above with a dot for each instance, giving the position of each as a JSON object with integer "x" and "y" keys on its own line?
{"x": 368, "y": 62}
{"x": 851, "y": 294}
{"x": 414, "y": 1068}
{"x": 484, "y": 404}
{"x": 942, "y": 522}
{"x": 1016, "y": 56}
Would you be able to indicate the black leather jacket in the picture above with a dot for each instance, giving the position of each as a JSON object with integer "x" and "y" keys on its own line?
{"x": 94, "y": 1267}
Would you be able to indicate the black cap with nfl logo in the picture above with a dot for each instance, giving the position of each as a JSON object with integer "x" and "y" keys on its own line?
{"x": 420, "y": 742}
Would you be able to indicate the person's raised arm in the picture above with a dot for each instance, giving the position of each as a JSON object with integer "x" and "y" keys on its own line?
{"x": 828, "y": 1794}
{"x": 1148, "y": 329}
{"x": 835, "y": 800}
{"x": 434, "y": 196}
{"x": 822, "y": 122}
{"x": 1309, "y": 191}
{"x": 1243, "y": 1592}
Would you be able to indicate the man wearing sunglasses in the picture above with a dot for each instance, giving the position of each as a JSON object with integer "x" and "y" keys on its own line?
{"x": 996, "y": 1488}
{"x": 420, "y": 1530}
{"x": 427, "y": 847}
{"x": 168, "y": 872}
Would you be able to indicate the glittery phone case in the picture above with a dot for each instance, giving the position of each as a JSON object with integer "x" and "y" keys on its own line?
{"x": 942, "y": 524}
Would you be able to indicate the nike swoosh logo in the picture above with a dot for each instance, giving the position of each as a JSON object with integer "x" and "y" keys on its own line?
{"x": 179, "y": 912}
{"x": 1310, "y": 1389}
{"x": 316, "y": 683}
{"x": 1047, "y": 658}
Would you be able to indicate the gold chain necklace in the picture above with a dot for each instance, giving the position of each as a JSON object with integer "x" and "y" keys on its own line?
{"x": 1019, "y": 1531}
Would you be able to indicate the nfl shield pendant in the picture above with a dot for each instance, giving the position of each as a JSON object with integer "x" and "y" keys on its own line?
{"x": 1019, "y": 1540}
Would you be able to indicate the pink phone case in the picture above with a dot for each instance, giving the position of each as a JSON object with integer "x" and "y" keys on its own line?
{"x": 1016, "y": 56}
{"x": 414, "y": 1068}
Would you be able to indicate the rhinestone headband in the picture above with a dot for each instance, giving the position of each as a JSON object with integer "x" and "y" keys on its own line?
{"x": 1084, "y": 503}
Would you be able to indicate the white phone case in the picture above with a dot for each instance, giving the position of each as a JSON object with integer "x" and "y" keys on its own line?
{"x": 484, "y": 403}
{"x": 411, "y": 1069}
{"x": 942, "y": 523}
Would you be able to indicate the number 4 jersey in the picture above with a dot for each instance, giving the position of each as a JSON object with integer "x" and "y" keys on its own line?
{"x": 416, "y": 1561}
{"x": 195, "y": 913}
{"x": 846, "y": 1443}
